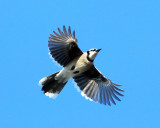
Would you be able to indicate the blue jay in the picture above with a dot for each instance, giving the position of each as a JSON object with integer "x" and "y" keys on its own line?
{"x": 79, "y": 66}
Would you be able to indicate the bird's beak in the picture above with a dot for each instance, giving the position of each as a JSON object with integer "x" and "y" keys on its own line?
{"x": 98, "y": 50}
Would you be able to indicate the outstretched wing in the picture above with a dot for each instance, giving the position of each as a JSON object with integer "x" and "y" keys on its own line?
{"x": 63, "y": 46}
{"x": 98, "y": 88}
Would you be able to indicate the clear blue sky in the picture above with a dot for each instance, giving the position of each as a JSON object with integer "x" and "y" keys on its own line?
{"x": 128, "y": 33}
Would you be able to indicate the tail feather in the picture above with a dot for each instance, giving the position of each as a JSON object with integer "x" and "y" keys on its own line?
{"x": 50, "y": 86}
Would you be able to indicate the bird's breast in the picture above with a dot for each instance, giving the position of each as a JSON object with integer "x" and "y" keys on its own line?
{"x": 75, "y": 67}
{"x": 79, "y": 65}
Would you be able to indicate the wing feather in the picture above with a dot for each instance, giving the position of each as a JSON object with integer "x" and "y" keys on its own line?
{"x": 74, "y": 34}
{"x": 63, "y": 47}
{"x": 97, "y": 87}
{"x": 69, "y": 31}
{"x": 62, "y": 34}
{"x": 65, "y": 31}
{"x": 110, "y": 95}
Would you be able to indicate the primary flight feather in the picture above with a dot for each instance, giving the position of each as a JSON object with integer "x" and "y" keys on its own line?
{"x": 79, "y": 66}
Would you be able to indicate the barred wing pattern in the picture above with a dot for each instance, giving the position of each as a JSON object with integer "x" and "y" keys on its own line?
{"x": 63, "y": 46}
{"x": 98, "y": 88}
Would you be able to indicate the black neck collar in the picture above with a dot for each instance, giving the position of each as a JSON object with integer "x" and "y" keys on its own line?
{"x": 88, "y": 57}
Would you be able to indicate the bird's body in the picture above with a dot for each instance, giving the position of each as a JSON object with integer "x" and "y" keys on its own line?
{"x": 74, "y": 68}
{"x": 79, "y": 66}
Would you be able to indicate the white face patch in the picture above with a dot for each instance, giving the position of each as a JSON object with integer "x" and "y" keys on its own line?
{"x": 51, "y": 95}
{"x": 92, "y": 54}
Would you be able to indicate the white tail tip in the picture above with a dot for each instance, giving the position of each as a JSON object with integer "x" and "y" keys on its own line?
{"x": 42, "y": 80}
{"x": 51, "y": 95}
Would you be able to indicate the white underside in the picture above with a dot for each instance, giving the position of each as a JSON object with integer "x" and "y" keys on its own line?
{"x": 81, "y": 65}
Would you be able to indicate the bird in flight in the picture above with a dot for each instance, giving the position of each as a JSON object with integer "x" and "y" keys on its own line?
{"x": 79, "y": 66}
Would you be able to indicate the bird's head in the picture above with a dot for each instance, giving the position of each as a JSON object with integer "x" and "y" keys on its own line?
{"x": 92, "y": 53}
